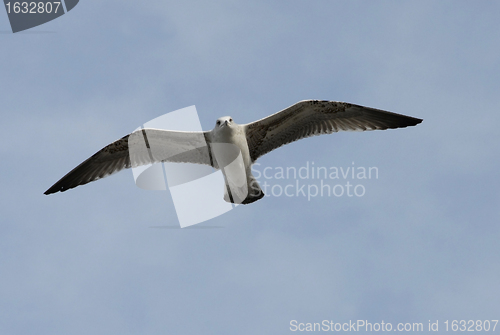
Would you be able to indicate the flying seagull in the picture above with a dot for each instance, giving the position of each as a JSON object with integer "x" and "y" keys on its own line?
{"x": 304, "y": 119}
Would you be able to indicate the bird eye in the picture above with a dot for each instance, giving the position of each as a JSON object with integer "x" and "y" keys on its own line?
{"x": 230, "y": 120}
{"x": 218, "y": 122}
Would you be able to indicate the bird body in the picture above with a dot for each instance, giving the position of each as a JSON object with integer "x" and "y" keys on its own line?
{"x": 241, "y": 185}
{"x": 232, "y": 147}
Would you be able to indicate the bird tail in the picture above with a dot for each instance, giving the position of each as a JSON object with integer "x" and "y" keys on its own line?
{"x": 254, "y": 192}
{"x": 247, "y": 194}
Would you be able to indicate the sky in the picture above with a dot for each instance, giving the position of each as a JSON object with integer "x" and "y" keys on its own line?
{"x": 107, "y": 258}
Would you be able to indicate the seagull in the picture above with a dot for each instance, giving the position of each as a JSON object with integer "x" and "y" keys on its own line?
{"x": 251, "y": 141}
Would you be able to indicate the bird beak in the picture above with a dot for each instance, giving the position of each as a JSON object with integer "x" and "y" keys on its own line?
{"x": 226, "y": 122}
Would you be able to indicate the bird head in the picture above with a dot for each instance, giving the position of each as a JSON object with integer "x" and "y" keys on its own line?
{"x": 225, "y": 121}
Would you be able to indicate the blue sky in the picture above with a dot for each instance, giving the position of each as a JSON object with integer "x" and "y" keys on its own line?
{"x": 421, "y": 244}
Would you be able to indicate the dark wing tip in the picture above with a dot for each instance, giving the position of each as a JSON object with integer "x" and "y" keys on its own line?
{"x": 52, "y": 189}
{"x": 413, "y": 121}
{"x": 385, "y": 119}
{"x": 98, "y": 166}
{"x": 70, "y": 180}
{"x": 57, "y": 188}
{"x": 407, "y": 121}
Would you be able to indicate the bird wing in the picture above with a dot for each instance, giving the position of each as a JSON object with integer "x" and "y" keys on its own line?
{"x": 314, "y": 117}
{"x": 141, "y": 147}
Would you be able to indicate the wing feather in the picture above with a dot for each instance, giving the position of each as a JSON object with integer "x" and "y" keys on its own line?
{"x": 141, "y": 147}
{"x": 315, "y": 117}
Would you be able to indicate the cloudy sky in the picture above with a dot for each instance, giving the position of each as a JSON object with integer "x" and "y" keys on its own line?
{"x": 421, "y": 244}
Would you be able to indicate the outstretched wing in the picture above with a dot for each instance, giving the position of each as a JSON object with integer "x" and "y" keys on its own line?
{"x": 314, "y": 117}
{"x": 142, "y": 147}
